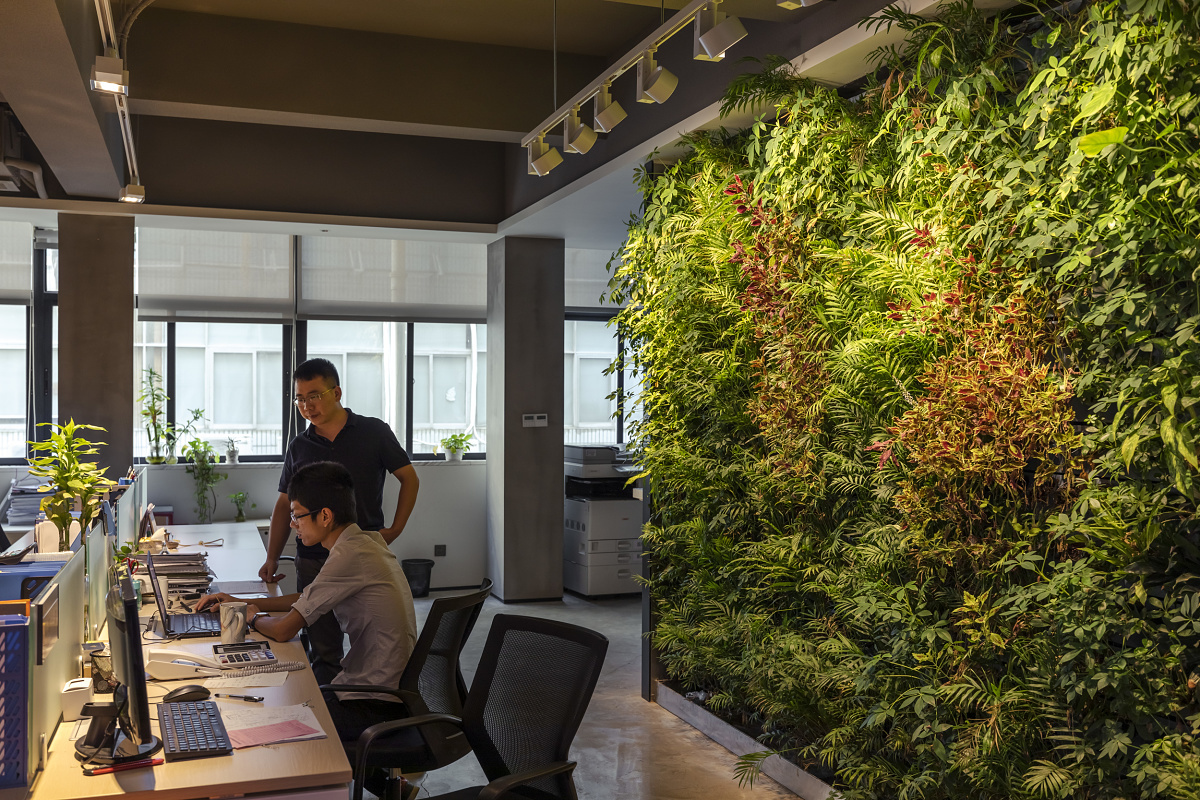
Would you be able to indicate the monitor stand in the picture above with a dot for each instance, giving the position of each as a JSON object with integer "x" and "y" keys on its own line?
{"x": 106, "y": 742}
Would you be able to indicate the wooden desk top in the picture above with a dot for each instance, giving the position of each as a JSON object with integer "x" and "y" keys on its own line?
{"x": 291, "y": 766}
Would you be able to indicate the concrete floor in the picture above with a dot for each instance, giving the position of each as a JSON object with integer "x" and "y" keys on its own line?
{"x": 625, "y": 747}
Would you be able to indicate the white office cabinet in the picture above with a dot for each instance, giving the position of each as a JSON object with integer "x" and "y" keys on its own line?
{"x": 601, "y": 545}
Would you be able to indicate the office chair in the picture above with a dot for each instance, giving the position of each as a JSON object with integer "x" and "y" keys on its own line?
{"x": 530, "y": 692}
{"x": 432, "y": 683}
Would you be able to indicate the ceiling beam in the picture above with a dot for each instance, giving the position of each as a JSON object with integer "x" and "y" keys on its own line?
{"x": 46, "y": 54}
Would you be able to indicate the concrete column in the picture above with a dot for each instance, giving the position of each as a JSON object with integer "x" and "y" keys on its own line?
{"x": 525, "y": 376}
{"x": 95, "y": 331}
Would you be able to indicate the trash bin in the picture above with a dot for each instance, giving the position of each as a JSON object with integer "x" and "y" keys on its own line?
{"x": 417, "y": 570}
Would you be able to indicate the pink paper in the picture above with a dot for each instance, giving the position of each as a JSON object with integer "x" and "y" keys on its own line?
{"x": 269, "y": 734}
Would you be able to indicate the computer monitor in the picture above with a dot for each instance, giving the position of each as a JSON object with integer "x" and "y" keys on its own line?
{"x": 120, "y": 730}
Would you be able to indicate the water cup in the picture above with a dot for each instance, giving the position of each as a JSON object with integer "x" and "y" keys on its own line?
{"x": 233, "y": 622}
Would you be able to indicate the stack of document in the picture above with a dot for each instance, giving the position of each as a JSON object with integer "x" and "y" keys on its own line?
{"x": 249, "y": 726}
{"x": 25, "y": 502}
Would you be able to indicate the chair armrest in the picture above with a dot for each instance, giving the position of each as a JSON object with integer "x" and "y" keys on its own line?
{"x": 357, "y": 687}
{"x": 499, "y": 787}
{"x": 368, "y": 736}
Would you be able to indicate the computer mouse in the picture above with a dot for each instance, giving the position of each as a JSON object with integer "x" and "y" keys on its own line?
{"x": 186, "y": 694}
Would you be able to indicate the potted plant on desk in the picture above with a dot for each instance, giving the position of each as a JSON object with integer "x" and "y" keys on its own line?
{"x": 76, "y": 483}
{"x": 455, "y": 445}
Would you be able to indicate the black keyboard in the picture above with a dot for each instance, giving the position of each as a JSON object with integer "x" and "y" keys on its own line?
{"x": 192, "y": 730}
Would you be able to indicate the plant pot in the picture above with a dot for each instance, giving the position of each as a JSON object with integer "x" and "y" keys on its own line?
{"x": 231, "y": 456}
{"x": 454, "y": 455}
{"x": 240, "y": 517}
{"x": 156, "y": 459}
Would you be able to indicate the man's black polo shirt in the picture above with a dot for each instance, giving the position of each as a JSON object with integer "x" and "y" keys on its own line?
{"x": 366, "y": 447}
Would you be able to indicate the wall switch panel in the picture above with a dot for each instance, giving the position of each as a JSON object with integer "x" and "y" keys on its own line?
{"x": 534, "y": 420}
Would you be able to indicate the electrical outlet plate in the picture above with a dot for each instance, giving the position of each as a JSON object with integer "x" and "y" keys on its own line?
{"x": 439, "y": 549}
{"x": 534, "y": 420}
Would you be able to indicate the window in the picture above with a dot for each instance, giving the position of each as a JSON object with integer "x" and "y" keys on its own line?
{"x": 233, "y": 372}
{"x": 370, "y": 358}
{"x": 14, "y": 399}
{"x": 449, "y": 384}
{"x": 589, "y": 347}
{"x": 149, "y": 352}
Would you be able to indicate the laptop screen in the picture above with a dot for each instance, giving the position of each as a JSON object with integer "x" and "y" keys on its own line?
{"x": 159, "y": 599}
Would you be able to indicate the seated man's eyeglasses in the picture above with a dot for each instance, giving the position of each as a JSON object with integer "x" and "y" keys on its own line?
{"x": 298, "y": 517}
{"x": 312, "y": 399}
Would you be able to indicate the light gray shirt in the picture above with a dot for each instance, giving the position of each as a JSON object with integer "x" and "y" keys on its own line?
{"x": 362, "y": 583}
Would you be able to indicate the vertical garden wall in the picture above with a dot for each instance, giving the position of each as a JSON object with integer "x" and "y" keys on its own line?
{"x": 920, "y": 383}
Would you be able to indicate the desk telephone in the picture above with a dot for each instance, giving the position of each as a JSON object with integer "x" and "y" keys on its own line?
{"x": 172, "y": 665}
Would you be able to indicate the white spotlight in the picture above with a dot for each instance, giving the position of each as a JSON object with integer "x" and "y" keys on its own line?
{"x": 789, "y": 5}
{"x": 608, "y": 111}
{"x": 577, "y": 138}
{"x": 133, "y": 193}
{"x": 542, "y": 157}
{"x": 655, "y": 83}
{"x": 716, "y": 32}
{"x": 110, "y": 76}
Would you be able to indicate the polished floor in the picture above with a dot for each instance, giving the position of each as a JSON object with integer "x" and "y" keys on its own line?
{"x": 626, "y": 747}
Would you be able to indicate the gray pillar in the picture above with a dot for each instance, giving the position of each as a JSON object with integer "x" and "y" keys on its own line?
{"x": 525, "y": 376}
{"x": 95, "y": 331}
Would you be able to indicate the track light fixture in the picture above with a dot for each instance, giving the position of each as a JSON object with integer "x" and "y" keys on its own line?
{"x": 110, "y": 76}
{"x": 133, "y": 193}
{"x": 655, "y": 83}
{"x": 608, "y": 111}
{"x": 577, "y": 137}
{"x": 542, "y": 157}
{"x": 716, "y": 32}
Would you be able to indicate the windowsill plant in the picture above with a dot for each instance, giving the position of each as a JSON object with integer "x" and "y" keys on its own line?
{"x": 455, "y": 445}
{"x": 203, "y": 469}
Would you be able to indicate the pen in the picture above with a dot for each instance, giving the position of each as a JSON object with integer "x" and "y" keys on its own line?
{"x": 249, "y": 698}
{"x": 148, "y": 762}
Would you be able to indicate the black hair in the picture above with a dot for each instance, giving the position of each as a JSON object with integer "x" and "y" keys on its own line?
{"x": 325, "y": 484}
{"x": 317, "y": 368}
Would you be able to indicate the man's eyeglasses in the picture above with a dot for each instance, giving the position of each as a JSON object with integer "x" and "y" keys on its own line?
{"x": 309, "y": 400}
{"x": 298, "y": 517}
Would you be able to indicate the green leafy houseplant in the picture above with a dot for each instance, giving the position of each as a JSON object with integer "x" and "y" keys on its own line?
{"x": 203, "y": 469}
{"x": 76, "y": 483}
{"x": 456, "y": 444}
{"x": 239, "y": 501}
{"x": 154, "y": 411}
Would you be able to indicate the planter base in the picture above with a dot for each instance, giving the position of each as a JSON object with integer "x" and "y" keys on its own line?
{"x": 780, "y": 770}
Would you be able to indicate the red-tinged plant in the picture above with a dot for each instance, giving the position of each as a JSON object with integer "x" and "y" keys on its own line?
{"x": 994, "y": 423}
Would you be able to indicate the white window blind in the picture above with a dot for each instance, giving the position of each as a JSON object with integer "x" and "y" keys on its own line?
{"x": 16, "y": 261}
{"x": 585, "y": 278}
{"x": 392, "y": 279}
{"x": 185, "y": 274}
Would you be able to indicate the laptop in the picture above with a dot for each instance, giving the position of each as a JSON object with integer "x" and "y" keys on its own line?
{"x": 200, "y": 623}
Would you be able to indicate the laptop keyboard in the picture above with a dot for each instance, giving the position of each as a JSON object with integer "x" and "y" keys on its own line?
{"x": 191, "y": 623}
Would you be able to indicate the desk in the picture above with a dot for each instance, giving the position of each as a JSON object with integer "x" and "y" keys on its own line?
{"x": 312, "y": 770}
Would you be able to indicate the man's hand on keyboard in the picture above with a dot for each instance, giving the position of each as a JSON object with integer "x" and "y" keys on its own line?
{"x": 209, "y": 601}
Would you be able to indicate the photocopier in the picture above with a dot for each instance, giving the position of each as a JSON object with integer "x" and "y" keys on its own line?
{"x": 602, "y": 521}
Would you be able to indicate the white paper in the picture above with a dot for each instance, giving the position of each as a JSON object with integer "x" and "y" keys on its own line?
{"x": 240, "y": 587}
{"x": 240, "y": 715}
{"x": 265, "y": 679}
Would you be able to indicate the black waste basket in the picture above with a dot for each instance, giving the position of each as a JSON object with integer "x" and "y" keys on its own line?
{"x": 417, "y": 571}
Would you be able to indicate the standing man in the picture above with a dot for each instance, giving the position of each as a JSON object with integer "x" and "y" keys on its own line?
{"x": 369, "y": 450}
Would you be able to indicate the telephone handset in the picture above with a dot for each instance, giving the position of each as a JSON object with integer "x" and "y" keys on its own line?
{"x": 167, "y": 665}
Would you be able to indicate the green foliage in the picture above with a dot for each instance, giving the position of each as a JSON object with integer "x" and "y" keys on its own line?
{"x": 203, "y": 469}
{"x": 239, "y": 501}
{"x": 77, "y": 485}
{"x": 163, "y": 435}
{"x": 919, "y": 386}
{"x": 457, "y": 442}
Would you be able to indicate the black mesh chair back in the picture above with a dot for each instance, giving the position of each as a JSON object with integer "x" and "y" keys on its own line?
{"x": 530, "y": 692}
{"x": 431, "y": 684}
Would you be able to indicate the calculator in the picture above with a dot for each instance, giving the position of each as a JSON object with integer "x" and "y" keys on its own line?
{"x": 243, "y": 654}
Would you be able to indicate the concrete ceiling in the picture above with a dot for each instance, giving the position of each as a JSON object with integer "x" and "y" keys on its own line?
{"x": 378, "y": 115}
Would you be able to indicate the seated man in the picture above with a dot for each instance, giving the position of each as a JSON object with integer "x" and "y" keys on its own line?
{"x": 361, "y": 583}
